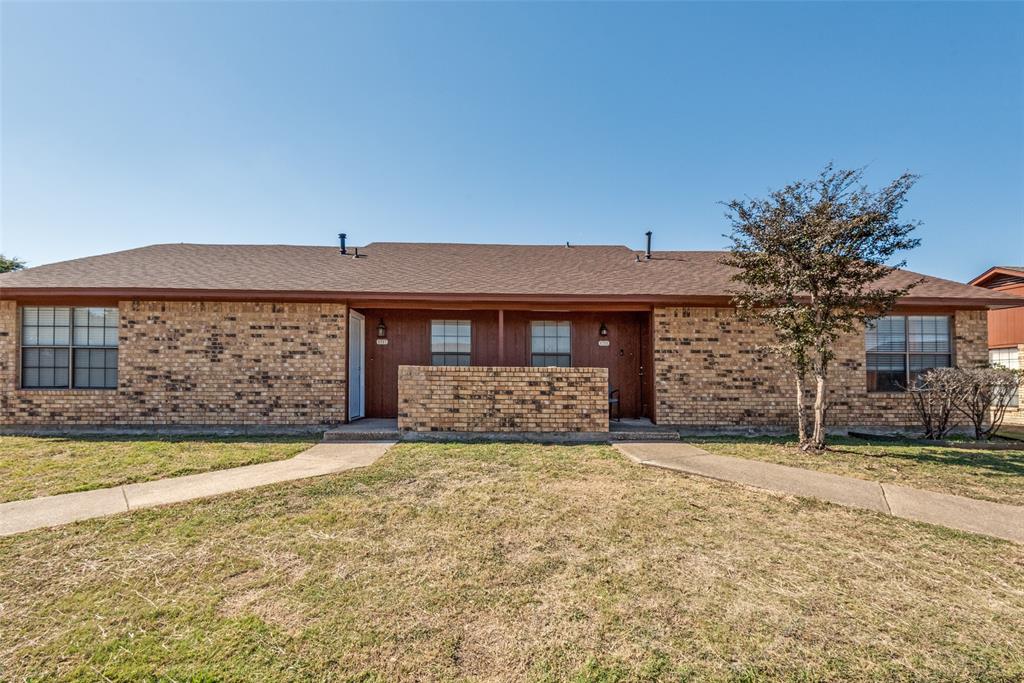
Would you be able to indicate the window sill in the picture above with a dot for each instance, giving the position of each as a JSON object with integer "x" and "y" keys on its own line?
{"x": 64, "y": 390}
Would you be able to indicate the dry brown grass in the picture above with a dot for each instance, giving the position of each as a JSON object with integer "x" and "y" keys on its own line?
{"x": 509, "y": 562}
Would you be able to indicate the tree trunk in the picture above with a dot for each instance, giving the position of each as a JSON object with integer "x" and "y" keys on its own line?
{"x": 801, "y": 415}
{"x": 818, "y": 438}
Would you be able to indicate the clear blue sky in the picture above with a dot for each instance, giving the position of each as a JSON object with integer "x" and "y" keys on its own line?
{"x": 129, "y": 124}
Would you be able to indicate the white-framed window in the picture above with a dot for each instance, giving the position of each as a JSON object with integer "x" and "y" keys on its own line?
{"x": 551, "y": 343}
{"x": 450, "y": 342}
{"x": 69, "y": 348}
{"x": 1007, "y": 358}
{"x": 902, "y": 347}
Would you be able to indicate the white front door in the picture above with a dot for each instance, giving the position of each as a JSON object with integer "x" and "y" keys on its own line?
{"x": 356, "y": 360}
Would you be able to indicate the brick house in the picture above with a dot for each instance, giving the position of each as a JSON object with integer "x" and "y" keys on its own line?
{"x": 1006, "y": 327}
{"x": 452, "y": 337}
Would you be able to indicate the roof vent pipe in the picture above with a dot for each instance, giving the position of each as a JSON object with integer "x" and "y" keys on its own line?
{"x": 342, "y": 236}
{"x": 647, "y": 254}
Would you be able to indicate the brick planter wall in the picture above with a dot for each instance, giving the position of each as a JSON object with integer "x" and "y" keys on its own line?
{"x": 193, "y": 363}
{"x": 502, "y": 399}
{"x": 709, "y": 372}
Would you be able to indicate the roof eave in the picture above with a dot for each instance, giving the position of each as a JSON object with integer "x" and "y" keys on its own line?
{"x": 41, "y": 294}
{"x": 172, "y": 294}
{"x": 994, "y": 270}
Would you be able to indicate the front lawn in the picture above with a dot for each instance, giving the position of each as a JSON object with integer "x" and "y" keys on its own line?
{"x": 509, "y": 562}
{"x": 43, "y": 466}
{"x": 987, "y": 474}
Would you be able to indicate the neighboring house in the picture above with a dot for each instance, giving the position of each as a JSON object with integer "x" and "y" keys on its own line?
{"x": 1006, "y": 326}
{"x": 446, "y": 337}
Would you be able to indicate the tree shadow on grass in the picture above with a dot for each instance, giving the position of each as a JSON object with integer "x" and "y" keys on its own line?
{"x": 1009, "y": 462}
{"x": 1004, "y": 461}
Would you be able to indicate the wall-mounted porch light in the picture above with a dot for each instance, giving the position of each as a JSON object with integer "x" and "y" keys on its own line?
{"x": 382, "y": 329}
{"x": 603, "y": 331}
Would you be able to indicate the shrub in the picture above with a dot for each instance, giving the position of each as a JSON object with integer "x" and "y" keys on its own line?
{"x": 934, "y": 397}
{"x": 982, "y": 395}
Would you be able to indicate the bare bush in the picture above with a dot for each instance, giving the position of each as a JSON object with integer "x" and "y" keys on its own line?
{"x": 982, "y": 395}
{"x": 934, "y": 397}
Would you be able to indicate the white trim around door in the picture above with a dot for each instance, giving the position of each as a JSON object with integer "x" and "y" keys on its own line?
{"x": 356, "y": 366}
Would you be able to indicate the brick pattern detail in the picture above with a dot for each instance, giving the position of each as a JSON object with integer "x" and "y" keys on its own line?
{"x": 710, "y": 371}
{"x": 502, "y": 399}
{"x": 199, "y": 364}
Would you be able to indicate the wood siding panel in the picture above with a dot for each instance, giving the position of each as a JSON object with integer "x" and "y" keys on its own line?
{"x": 409, "y": 344}
{"x": 1006, "y": 325}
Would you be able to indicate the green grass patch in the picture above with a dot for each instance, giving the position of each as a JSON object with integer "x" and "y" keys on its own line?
{"x": 508, "y": 562}
{"x": 43, "y": 466}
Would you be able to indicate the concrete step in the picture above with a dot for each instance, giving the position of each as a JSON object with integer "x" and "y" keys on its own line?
{"x": 644, "y": 435}
{"x": 383, "y": 429}
{"x": 339, "y": 435}
{"x": 343, "y": 435}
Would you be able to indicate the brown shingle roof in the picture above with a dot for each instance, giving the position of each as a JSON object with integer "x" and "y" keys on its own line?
{"x": 423, "y": 269}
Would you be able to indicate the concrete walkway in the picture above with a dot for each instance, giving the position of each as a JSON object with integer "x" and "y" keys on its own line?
{"x": 325, "y": 458}
{"x": 957, "y": 512}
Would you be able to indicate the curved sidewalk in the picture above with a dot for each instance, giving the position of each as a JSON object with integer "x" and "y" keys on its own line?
{"x": 325, "y": 458}
{"x": 957, "y": 512}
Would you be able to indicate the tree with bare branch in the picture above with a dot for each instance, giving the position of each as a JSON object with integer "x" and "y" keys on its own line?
{"x": 809, "y": 259}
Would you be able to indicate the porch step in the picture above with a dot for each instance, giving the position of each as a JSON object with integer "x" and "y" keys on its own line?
{"x": 361, "y": 435}
{"x": 368, "y": 429}
{"x": 379, "y": 429}
{"x": 640, "y": 429}
{"x": 335, "y": 435}
{"x": 644, "y": 435}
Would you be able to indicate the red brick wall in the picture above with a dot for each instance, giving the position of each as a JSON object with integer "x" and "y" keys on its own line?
{"x": 709, "y": 372}
{"x": 502, "y": 399}
{"x": 198, "y": 364}
{"x": 266, "y": 364}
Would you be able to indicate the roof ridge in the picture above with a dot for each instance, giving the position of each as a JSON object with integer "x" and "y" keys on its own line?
{"x": 377, "y": 243}
{"x": 499, "y": 244}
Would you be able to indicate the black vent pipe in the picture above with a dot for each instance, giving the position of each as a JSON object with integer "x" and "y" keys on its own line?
{"x": 342, "y": 236}
{"x": 647, "y": 255}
